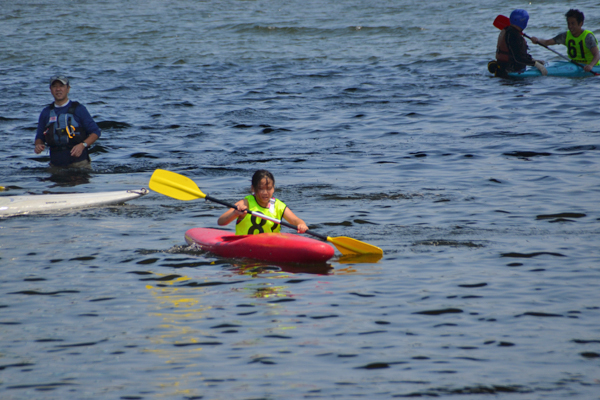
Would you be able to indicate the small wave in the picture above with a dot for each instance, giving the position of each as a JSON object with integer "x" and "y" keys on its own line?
{"x": 469, "y": 390}
{"x": 579, "y": 148}
{"x": 473, "y": 285}
{"x": 440, "y": 312}
{"x": 116, "y": 125}
{"x": 531, "y": 255}
{"x": 527, "y": 154}
{"x": 451, "y": 243}
{"x": 318, "y": 31}
{"x": 561, "y": 215}
{"x": 538, "y": 314}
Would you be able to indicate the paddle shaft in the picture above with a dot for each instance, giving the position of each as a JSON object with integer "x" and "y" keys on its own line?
{"x": 502, "y": 22}
{"x": 259, "y": 215}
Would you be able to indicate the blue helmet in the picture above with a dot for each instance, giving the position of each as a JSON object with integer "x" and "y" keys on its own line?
{"x": 519, "y": 18}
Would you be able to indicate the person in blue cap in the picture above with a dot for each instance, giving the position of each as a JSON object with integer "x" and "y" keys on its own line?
{"x": 511, "y": 51}
{"x": 66, "y": 127}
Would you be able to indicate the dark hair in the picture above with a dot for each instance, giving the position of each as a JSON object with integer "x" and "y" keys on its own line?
{"x": 260, "y": 175}
{"x": 578, "y": 15}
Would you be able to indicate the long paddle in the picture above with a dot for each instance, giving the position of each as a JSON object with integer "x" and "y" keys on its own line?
{"x": 183, "y": 188}
{"x": 502, "y": 22}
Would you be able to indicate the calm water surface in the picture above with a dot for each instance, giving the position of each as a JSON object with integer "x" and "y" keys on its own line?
{"x": 380, "y": 122}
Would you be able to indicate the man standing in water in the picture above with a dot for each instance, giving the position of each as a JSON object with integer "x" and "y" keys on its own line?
{"x": 582, "y": 45}
{"x": 66, "y": 127}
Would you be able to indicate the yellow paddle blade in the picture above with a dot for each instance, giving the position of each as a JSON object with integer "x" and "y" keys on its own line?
{"x": 348, "y": 245}
{"x": 175, "y": 185}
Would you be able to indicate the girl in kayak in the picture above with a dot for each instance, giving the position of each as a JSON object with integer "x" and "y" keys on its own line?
{"x": 261, "y": 200}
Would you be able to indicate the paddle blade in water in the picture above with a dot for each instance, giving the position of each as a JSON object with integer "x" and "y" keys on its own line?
{"x": 359, "y": 258}
{"x": 175, "y": 185}
{"x": 501, "y": 22}
{"x": 348, "y": 245}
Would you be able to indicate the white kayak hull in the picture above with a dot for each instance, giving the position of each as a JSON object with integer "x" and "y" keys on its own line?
{"x": 27, "y": 204}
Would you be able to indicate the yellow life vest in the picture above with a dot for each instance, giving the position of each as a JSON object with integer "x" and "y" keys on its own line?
{"x": 251, "y": 225}
{"x": 576, "y": 48}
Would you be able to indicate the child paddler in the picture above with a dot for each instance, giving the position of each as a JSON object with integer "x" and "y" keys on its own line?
{"x": 511, "y": 50}
{"x": 261, "y": 200}
{"x": 582, "y": 45}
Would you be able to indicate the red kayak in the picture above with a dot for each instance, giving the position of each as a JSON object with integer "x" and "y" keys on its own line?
{"x": 273, "y": 247}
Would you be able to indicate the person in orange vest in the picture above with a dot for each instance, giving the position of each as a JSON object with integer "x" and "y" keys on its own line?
{"x": 511, "y": 50}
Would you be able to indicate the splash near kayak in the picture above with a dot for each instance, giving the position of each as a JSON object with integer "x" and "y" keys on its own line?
{"x": 272, "y": 247}
{"x": 27, "y": 204}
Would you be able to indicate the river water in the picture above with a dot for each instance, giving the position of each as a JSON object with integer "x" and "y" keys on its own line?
{"x": 380, "y": 122}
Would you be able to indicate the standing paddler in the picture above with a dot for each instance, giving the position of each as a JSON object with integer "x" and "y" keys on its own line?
{"x": 66, "y": 127}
